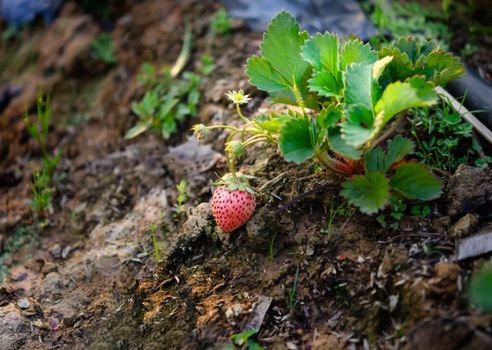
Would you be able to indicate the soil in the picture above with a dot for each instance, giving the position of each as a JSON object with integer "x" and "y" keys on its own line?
{"x": 87, "y": 276}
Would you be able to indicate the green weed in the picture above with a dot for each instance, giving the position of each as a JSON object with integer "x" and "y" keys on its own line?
{"x": 343, "y": 209}
{"x": 404, "y": 19}
{"x": 182, "y": 196}
{"x": 103, "y": 49}
{"x": 168, "y": 100}
{"x": 243, "y": 340}
{"x": 293, "y": 292}
{"x": 221, "y": 23}
{"x": 42, "y": 180}
{"x": 441, "y": 134}
{"x": 270, "y": 248}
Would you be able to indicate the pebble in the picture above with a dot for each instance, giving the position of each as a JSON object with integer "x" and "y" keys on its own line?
{"x": 463, "y": 227}
{"x": 56, "y": 251}
{"x": 23, "y": 303}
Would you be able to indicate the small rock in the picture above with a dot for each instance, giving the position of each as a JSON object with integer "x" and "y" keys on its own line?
{"x": 56, "y": 251}
{"x": 393, "y": 302}
{"x": 446, "y": 278}
{"x": 439, "y": 225}
{"x": 463, "y": 227}
{"x": 14, "y": 329}
{"x": 49, "y": 267}
{"x": 478, "y": 244}
{"x": 54, "y": 324}
{"x": 66, "y": 251}
{"x": 468, "y": 189}
{"x": 23, "y": 303}
{"x": 393, "y": 257}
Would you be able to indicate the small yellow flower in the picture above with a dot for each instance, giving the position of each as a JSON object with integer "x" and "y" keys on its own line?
{"x": 238, "y": 97}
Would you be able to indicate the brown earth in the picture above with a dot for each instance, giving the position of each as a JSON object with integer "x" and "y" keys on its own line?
{"x": 87, "y": 278}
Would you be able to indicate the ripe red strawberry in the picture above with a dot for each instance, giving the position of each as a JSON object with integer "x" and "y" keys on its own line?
{"x": 232, "y": 209}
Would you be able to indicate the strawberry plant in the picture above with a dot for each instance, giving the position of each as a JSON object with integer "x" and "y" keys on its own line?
{"x": 349, "y": 99}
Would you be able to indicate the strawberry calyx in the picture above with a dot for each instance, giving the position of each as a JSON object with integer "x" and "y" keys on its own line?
{"x": 239, "y": 182}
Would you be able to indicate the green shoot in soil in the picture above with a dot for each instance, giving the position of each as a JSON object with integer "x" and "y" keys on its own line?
{"x": 154, "y": 242}
{"x": 293, "y": 292}
{"x": 169, "y": 99}
{"x": 270, "y": 248}
{"x": 343, "y": 209}
{"x": 182, "y": 188}
{"x": 41, "y": 185}
{"x": 243, "y": 340}
{"x": 221, "y": 23}
{"x": 42, "y": 192}
{"x": 103, "y": 49}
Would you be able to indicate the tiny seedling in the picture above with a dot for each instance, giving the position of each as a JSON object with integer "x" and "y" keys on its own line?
{"x": 42, "y": 192}
{"x": 103, "y": 49}
{"x": 480, "y": 289}
{"x": 42, "y": 179}
{"x": 343, "y": 209}
{"x": 221, "y": 23}
{"x": 182, "y": 188}
{"x": 154, "y": 242}
{"x": 270, "y": 248}
{"x": 350, "y": 99}
{"x": 293, "y": 292}
{"x": 243, "y": 341}
{"x": 423, "y": 209}
{"x": 169, "y": 99}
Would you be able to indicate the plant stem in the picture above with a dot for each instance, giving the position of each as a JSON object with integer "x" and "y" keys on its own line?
{"x": 327, "y": 161}
{"x": 299, "y": 100}
{"x": 387, "y": 133}
{"x": 238, "y": 109}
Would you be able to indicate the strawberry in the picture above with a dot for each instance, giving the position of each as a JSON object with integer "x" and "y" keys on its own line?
{"x": 232, "y": 208}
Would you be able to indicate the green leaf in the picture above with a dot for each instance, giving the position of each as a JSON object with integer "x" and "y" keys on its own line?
{"x": 413, "y": 181}
{"x": 400, "y": 96}
{"x": 325, "y": 84}
{"x": 379, "y": 66}
{"x": 369, "y": 192}
{"x": 340, "y": 146}
{"x": 441, "y": 67}
{"x": 243, "y": 337}
{"x": 321, "y": 52}
{"x": 281, "y": 47}
{"x": 168, "y": 105}
{"x": 398, "y": 148}
{"x": 262, "y": 75}
{"x": 480, "y": 289}
{"x": 354, "y": 51}
{"x": 375, "y": 160}
{"x": 295, "y": 140}
{"x": 328, "y": 117}
{"x": 358, "y": 126}
{"x": 136, "y": 130}
{"x": 358, "y": 85}
{"x": 272, "y": 122}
